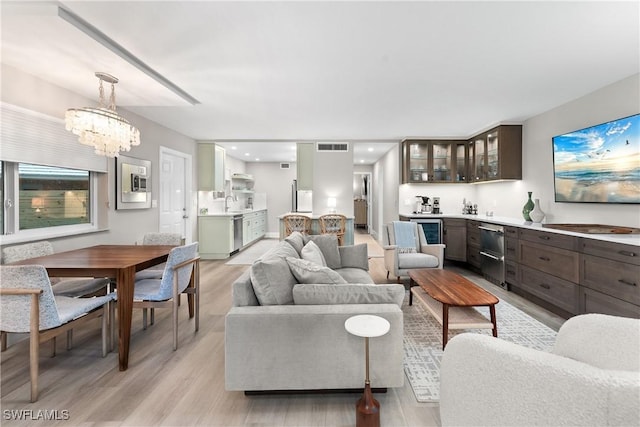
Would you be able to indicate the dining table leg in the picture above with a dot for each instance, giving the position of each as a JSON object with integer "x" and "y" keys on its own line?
{"x": 125, "y": 283}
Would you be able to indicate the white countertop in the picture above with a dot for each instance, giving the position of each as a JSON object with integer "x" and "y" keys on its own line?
{"x": 232, "y": 213}
{"x": 627, "y": 239}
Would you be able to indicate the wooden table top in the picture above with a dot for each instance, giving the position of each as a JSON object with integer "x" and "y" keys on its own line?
{"x": 451, "y": 288}
{"x": 102, "y": 257}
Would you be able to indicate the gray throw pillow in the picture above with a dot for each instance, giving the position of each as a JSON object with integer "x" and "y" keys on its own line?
{"x": 321, "y": 294}
{"x": 309, "y": 272}
{"x": 328, "y": 244}
{"x": 296, "y": 240}
{"x": 272, "y": 281}
{"x": 311, "y": 252}
{"x": 281, "y": 250}
{"x": 356, "y": 256}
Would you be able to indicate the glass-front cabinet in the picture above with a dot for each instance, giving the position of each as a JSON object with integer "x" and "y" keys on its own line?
{"x": 496, "y": 154}
{"x": 433, "y": 161}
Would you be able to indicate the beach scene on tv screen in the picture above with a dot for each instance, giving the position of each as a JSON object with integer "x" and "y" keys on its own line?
{"x": 599, "y": 164}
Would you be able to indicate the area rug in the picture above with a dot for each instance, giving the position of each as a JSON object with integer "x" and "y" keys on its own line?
{"x": 249, "y": 255}
{"x": 423, "y": 342}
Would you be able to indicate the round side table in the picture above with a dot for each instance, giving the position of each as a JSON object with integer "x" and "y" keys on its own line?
{"x": 367, "y": 326}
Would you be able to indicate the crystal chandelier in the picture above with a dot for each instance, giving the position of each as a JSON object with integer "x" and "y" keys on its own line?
{"x": 102, "y": 127}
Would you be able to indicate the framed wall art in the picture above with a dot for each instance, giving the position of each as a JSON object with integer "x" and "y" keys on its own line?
{"x": 133, "y": 183}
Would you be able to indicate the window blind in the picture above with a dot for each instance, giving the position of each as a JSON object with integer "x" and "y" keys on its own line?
{"x": 31, "y": 137}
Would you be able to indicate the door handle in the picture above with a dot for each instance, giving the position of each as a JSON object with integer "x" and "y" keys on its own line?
{"x": 488, "y": 255}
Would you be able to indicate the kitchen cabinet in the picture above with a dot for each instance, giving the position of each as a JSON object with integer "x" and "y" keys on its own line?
{"x": 609, "y": 278}
{"x": 215, "y": 236}
{"x": 496, "y": 154}
{"x": 473, "y": 245}
{"x": 304, "y": 165}
{"x": 455, "y": 239}
{"x": 438, "y": 161}
{"x": 511, "y": 254}
{"x": 254, "y": 226}
{"x": 211, "y": 164}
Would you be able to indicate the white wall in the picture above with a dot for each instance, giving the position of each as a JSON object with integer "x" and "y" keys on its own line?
{"x": 276, "y": 184}
{"x": 506, "y": 199}
{"x": 333, "y": 177}
{"x": 125, "y": 227}
{"x": 617, "y": 100}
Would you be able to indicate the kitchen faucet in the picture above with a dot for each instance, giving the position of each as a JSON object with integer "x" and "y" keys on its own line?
{"x": 226, "y": 200}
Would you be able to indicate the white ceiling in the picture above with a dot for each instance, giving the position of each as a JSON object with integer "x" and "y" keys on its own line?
{"x": 364, "y": 72}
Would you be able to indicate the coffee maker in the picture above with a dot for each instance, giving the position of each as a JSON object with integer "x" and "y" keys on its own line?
{"x": 436, "y": 205}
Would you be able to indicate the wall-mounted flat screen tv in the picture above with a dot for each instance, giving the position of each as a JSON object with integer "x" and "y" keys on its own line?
{"x": 599, "y": 164}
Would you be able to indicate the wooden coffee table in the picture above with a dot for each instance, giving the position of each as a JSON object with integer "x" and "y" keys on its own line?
{"x": 440, "y": 290}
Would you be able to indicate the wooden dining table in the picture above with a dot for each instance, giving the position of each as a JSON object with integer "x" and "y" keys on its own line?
{"x": 119, "y": 262}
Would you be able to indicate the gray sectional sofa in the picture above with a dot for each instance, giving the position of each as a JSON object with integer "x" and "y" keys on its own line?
{"x": 285, "y": 330}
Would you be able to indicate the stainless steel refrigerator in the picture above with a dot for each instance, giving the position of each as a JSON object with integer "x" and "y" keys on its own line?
{"x": 301, "y": 200}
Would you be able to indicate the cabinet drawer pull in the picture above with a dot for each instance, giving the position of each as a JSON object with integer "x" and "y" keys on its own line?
{"x": 624, "y": 282}
{"x": 544, "y": 258}
{"x": 544, "y": 285}
{"x": 511, "y": 272}
{"x": 627, "y": 253}
{"x": 511, "y": 231}
{"x": 544, "y": 237}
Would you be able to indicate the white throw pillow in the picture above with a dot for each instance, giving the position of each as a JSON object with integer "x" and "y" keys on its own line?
{"x": 311, "y": 252}
{"x": 309, "y": 272}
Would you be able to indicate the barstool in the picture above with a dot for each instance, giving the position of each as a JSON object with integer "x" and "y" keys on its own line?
{"x": 367, "y": 326}
{"x": 333, "y": 224}
{"x": 293, "y": 222}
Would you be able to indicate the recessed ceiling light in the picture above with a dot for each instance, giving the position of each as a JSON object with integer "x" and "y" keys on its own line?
{"x": 247, "y": 154}
{"x": 257, "y": 159}
{"x": 370, "y": 149}
{"x": 234, "y": 148}
{"x": 361, "y": 161}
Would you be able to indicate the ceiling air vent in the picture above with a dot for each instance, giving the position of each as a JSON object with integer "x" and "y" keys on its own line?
{"x": 333, "y": 146}
{"x": 285, "y": 165}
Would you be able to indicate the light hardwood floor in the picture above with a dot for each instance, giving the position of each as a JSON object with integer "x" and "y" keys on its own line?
{"x": 186, "y": 387}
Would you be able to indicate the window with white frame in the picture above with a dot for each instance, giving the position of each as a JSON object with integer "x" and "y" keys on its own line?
{"x": 39, "y": 197}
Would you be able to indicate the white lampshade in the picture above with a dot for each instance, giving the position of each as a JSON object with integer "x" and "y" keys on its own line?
{"x": 331, "y": 203}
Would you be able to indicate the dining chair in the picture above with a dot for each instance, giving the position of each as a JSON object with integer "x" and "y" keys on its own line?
{"x": 28, "y": 305}
{"x": 181, "y": 275}
{"x": 69, "y": 287}
{"x": 294, "y": 222}
{"x": 154, "y": 238}
{"x": 333, "y": 224}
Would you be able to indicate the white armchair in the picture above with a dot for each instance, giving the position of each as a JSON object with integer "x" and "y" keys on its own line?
{"x": 398, "y": 264}
{"x": 591, "y": 377}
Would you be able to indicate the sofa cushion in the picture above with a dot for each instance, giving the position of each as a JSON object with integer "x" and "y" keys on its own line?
{"x": 354, "y": 275}
{"x": 356, "y": 256}
{"x": 296, "y": 240}
{"x": 408, "y": 261}
{"x": 281, "y": 250}
{"x": 319, "y": 294}
{"x": 272, "y": 281}
{"x": 311, "y": 252}
{"x": 309, "y": 272}
{"x": 328, "y": 244}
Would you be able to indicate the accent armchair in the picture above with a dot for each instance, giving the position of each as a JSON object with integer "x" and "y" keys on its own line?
{"x": 414, "y": 253}
{"x": 28, "y": 305}
{"x": 181, "y": 275}
{"x": 590, "y": 378}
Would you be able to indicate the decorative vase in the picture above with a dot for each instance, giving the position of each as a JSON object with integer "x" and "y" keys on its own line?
{"x": 536, "y": 215}
{"x": 528, "y": 207}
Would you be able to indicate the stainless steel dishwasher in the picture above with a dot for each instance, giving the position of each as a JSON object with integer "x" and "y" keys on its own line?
{"x": 237, "y": 233}
{"x": 492, "y": 251}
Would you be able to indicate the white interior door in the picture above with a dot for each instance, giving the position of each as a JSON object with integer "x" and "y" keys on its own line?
{"x": 173, "y": 203}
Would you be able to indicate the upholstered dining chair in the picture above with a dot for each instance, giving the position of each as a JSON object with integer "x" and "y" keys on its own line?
{"x": 28, "y": 305}
{"x": 406, "y": 247}
{"x": 181, "y": 275}
{"x": 333, "y": 224}
{"x": 294, "y": 222}
{"x": 173, "y": 239}
{"x": 69, "y": 287}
